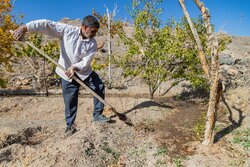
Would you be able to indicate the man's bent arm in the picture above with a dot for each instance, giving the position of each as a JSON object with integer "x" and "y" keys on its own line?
{"x": 47, "y": 27}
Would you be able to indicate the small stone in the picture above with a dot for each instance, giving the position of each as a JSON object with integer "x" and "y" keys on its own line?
{"x": 25, "y": 81}
{"x": 18, "y": 83}
{"x": 232, "y": 72}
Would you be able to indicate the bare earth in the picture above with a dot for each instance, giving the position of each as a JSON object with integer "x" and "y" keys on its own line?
{"x": 32, "y": 134}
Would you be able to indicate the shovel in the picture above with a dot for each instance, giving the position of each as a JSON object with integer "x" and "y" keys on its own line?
{"x": 121, "y": 116}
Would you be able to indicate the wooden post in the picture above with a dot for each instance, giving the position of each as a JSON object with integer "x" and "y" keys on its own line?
{"x": 109, "y": 46}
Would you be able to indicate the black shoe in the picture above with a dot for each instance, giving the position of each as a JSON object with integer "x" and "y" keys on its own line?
{"x": 70, "y": 130}
{"x": 101, "y": 119}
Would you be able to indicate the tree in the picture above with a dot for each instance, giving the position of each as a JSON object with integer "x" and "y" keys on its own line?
{"x": 51, "y": 48}
{"x": 30, "y": 55}
{"x": 179, "y": 45}
{"x": 145, "y": 56}
{"x": 108, "y": 23}
{"x": 212, "y": 72}
{"x": 159, "y": 54}
{"x": 7, "y": 23}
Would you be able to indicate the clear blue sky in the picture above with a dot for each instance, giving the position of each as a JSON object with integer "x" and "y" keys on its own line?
{"x": 232, "y": 16}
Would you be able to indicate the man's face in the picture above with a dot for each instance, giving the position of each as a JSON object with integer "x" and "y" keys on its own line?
{"x": 89, "y": 32}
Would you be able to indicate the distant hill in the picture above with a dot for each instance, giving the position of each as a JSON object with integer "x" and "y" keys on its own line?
{"x": 66, "y": 20}
{"x": 239, "y": 48}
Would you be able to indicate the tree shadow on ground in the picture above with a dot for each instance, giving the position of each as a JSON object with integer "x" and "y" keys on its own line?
{"x": 192, "y": 93}
{"x": 147, "y": 104}
{"x": 234, "y": 125}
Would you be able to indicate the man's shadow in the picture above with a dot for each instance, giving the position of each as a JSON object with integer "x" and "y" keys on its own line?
{"x": 234, "y": 125}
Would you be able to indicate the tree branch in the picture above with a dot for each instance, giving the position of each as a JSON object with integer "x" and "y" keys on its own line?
{"x": 197, "y": 39}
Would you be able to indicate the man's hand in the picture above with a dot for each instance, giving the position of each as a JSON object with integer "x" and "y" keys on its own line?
{"x": 71, "y": 71}
{"x": 19, "y": 33}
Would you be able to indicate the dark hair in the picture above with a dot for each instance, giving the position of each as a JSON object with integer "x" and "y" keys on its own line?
{"x": 90, "y": 21}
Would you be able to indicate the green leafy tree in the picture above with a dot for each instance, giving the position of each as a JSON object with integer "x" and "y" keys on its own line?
{"x": 159, "y": 53}
{"x": 31, "y": 56}
{"x": 178, "y": 46}
{"x": 186, "y": 51}
{"x": 25, "y": 50}
{"x": 52, "y": 48}
{"x": 7, "y": 23}
{"x": 145, "y": 56}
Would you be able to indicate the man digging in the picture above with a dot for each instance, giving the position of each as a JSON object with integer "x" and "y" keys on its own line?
{"x": 77, "y": 51}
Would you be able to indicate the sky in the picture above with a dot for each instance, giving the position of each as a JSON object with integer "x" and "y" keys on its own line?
{"x": 230, "y": 16}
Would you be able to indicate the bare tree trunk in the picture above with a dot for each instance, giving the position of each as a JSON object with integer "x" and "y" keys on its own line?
{"x": 44, "y": 78}
{"x": 213, "y": 99}
{"x": 150, "y": 88}
{"x": 197, "y": 39}
{"x": 110, "y": 16}
{"x": 215, "y": 89}
{"x": 151, "y": 92}
{"x": 109, "y": 46}
{"x": 206, "y": 17}
{"x": 29, "y": 62}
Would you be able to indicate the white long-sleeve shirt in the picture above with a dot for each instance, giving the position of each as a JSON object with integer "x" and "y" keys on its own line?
{"x": 74, "y": 49}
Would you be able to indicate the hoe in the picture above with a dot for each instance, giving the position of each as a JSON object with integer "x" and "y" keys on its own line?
{"x": 121, "y": 116}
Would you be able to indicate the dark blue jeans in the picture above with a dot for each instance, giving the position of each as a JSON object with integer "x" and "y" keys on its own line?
{"x": 70, "y": 96}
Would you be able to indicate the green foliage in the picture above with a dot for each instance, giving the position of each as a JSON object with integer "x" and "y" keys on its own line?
{"x": 199, "y": 127}
{"x": 224, "y": 40}
{"x": 98, "y": 66}
{"x": 185, "y": 51}
{"x": 177, "y": 162}
{"x": 145, "y": 56}
{"x": 159, "y": 53}
{"x": 25, "y": 50}
{"x": 7, "y": 23}
{"x": 52, "y": 48}
{"x": 161, "y": 151}
{"x": 243, "y": 138}
{"x": 109, "y": 150}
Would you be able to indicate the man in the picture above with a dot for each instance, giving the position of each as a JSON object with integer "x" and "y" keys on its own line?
{"x": 78, "y": 47}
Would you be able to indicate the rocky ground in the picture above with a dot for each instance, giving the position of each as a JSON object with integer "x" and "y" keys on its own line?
{"x": 163, "y": 133}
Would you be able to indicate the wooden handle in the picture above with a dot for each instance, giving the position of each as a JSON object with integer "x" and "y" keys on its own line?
{"x": 74, "y": 77}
